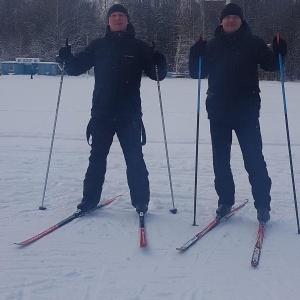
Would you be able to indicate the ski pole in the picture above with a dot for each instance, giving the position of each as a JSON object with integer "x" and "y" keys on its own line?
{"x": 53, "y": 133}
{"x": 197, "y": 140}
{"x": 173, "y": 210}
{"x": 288, "y": 134}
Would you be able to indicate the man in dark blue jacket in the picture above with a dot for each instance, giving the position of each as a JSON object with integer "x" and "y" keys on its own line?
{"x": 230, "y": 61}
{"x": 119, "y": 59}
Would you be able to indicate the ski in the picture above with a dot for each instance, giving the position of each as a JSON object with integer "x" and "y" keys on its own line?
{"x": 209, "y": 227}
{"x": 64, "y": 222}
{"x": 143, "y": 241}
{"x": 258, "y": 245}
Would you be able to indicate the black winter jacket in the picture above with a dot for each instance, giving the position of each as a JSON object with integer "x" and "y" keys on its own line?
{"x": 119, "y": 60}
{"x": 231, "y": 65}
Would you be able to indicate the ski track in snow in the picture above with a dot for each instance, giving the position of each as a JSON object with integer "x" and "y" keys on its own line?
{"x": 98, "y": 256}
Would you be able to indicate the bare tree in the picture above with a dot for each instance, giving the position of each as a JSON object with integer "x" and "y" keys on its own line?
{"x": 38, "y": 28}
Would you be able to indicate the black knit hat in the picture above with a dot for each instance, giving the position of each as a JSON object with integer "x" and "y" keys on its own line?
{"x": 117, "y": 8}
{"x": 231, "y": 9}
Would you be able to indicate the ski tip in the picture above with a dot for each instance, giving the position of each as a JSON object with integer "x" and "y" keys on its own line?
{"x": 180, "y": 249}
{"x": 143, "y": 241}
{"x": 254, "y": 264}
{"x": 20, "y": 244}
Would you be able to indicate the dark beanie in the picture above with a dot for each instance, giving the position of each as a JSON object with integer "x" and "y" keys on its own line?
{"x": 117, "y": 8}
{"x": 231, "y": 9}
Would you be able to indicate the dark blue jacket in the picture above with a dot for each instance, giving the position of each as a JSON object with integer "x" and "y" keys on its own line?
{"x": 119, "y": 59}
{"x": 231, "y": 64}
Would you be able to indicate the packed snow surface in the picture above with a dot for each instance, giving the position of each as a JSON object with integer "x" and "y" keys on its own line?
{"x": 98, "y": 256}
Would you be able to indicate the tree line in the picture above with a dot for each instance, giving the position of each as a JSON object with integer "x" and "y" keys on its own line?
{"x": 38, "y": 28}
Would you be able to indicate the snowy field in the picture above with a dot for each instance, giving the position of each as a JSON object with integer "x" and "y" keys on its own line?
{"x": 98, "y": 256}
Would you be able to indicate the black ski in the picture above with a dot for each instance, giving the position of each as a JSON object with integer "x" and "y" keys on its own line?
{"x": 64, "y": 222}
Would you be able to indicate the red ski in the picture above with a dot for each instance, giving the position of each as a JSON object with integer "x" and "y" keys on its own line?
{"x": 64, "y": 222}
{"x": 258, "y": 245}
{"x": 209, "y": 227}
{"x": 143, "y": 241}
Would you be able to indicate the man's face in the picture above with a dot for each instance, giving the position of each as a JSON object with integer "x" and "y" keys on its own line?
{"x": 117, "y": 21}
{"x": 231, "y": 23}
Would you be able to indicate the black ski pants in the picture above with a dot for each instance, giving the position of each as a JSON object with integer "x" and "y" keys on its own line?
{"x": 250, "y": 141}
{"x": 129, "y": 134}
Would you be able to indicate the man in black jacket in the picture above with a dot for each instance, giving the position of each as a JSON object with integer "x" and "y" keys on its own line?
{"x": 230, "y": 61}
{"x": 119, "y": 59}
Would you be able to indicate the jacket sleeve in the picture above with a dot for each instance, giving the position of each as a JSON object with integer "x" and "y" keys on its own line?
{"x": 149, "y": 66}
{"x": 81, "y": 62}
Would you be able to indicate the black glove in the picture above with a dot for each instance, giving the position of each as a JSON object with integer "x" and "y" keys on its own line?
{"x": 157, "y": 57}
{"x": 279, "y": 47}
{"x": 198, "y": 49}
{"x": 65, "y": 53}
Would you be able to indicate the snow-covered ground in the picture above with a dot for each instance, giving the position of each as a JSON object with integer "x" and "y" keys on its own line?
{"x": 98, "y": 256}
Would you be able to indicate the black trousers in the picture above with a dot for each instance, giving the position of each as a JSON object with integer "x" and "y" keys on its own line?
{"x": 129, "y": 134}
{"x": 250, "y": 141}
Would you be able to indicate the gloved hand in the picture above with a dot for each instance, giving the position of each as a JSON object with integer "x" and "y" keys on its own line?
{"x": 198, "y": 49}
{"x": 65, "y": 53}
{"x": 157, "y": 57}
{"x": 279, "y": 47}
